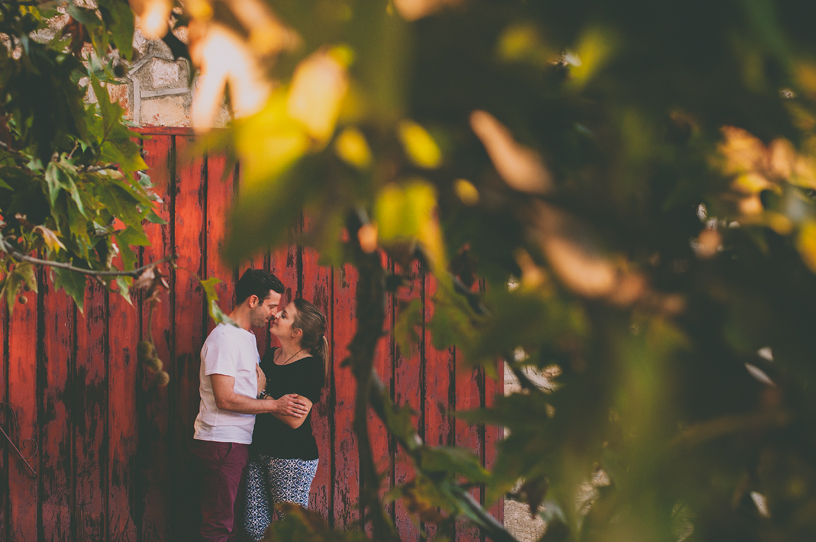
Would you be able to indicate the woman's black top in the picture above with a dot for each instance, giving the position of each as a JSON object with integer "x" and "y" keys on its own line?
{"x": 271, "y": 436}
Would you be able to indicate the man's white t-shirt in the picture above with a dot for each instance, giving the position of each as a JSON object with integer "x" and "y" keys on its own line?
{"x": 230, "y": 351}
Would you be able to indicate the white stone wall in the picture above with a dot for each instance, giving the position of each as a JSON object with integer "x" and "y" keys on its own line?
{"x": 517, "y": 518}
{"x": 158, "y": 93}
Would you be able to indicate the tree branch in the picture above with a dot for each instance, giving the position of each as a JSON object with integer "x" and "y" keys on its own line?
{"x": 90, "y": 272}
{"x": 371, "y": 317}
{"x": 370, "y": 390}
{"x": 491, "y": 527}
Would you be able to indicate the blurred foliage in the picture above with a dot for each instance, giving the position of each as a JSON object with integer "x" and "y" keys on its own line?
{"x": 301, "y": 525}
{"x": 634, "y": 183}
{"x": 74, "y": 197}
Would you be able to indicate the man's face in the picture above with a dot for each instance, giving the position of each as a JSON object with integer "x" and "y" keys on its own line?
{"x": 259, "y": 314}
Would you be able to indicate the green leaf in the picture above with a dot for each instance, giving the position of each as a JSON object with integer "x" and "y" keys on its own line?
{"x": 72, "y": 189}
{"x": 128, "y": 256}
{"x": 302, "y": 525}
{"x": 118, "y": 16}
{"x": 133, "y": 236}
{"x": 73, "y": 283}
{"x": 119, "y": 148}
{"x": 22, "y": 274}
{"x": 409, "y": 320}
{"x": 78, "y": 226}
{"x": 59, "y": 177}
{"x": 26, "y": 272}
{"x": 111, "y": 114}
{"x": 124, "y": 284}
{"x": 95, "y": 27}
{"x": 11, "y": 285}
{"x": 454, "y": 322}
{"x": 53, "y": 182}
{"x": 399, "y": 421}
{"x": 218, "y": 316}
{"x": 452, "y": 460}
{"x": 120, "y": 201}
{"x": 85, "y": 16}
{"x": 152, "y": 217}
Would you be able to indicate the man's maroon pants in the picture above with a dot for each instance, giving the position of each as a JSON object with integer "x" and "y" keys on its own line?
{"x": 221, "y": 466}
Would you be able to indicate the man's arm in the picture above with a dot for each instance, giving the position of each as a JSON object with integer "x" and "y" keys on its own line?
{"x": 294, "y": 421}
{"x": 226, "y": 399}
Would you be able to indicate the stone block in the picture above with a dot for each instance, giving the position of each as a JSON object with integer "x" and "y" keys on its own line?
{"x": 166, "y": 111}
{"x": 520, "y": 524}
{"x": 164, "y": 73}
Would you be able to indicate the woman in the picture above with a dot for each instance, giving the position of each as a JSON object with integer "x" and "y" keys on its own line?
{"x": 284, "y": 453}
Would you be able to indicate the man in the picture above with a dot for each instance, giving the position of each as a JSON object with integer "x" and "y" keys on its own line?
{"x": 229, "y": 387}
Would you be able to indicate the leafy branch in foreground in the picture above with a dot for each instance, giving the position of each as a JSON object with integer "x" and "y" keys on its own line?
{"x": 439, "y": 492}
{"x": 73, "y": 195}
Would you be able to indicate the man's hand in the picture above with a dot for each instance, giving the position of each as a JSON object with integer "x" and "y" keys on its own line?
{"x": 261, "y": 379}
{"x": 226, "y": 399}
{"x": 291, "y": 405}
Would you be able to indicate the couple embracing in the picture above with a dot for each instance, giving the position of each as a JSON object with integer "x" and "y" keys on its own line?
{"x": 254, "y": 417}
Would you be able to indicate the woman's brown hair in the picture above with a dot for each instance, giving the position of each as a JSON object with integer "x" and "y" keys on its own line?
{"x": 312, "y": 322}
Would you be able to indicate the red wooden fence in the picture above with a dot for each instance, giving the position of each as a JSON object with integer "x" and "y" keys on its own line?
{"x": 114, "y": 461}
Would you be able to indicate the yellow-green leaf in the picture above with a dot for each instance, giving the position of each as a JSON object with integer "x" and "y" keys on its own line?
{"x": 409, "y": 211}
{"x": 419, "y": 146}
{"x": 216, "y": 313}
{"x": 806, "y": 243}
{"x": 351, "y": 146}
{"x": 50, "y": 238}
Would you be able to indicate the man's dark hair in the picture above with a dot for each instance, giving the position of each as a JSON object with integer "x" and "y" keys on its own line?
{"x": 257, "y": 282}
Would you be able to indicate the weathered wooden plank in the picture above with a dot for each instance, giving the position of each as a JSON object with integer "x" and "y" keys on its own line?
{"x": 346, "y": 481}
{"x": 378, "y": 434}
{"x": 123, "y": 335}
{"x": 4, "y": 450}
{"x": 152, "y": 455}
{"x": 23, "y": 394}
{"x": 283, "y": 263}
{"x": 439, "y": 391}
{"x": 89, "y": 415}
{"x": 317, "y": 286}
{"x": 257, "y": 261}
{"x": 493, "y": 387}
{"x": 165, "y": 131}
{"x": 468, "y": 396}
{"x": 220, "y": 190}
{"x": 407, "y": 392}
{"x": 439, "y": 388}
{"x": 189, "y": 228}
{"x": 56, "y": 455}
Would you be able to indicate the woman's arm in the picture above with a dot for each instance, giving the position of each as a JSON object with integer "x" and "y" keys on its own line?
{"x": 292, "y": 421}
{"x": 227, "y": 399}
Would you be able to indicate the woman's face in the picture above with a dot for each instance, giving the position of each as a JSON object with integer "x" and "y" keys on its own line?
{"x": 282, "y": 324}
